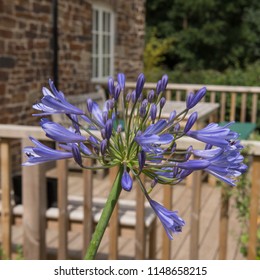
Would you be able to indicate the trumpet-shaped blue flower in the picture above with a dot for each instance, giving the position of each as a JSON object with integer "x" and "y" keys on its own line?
{"x": 214, "y": 134}
{"x": 58, "y": 133}
{"x": 171, "y": 222}
{"x": 41, "y": 153}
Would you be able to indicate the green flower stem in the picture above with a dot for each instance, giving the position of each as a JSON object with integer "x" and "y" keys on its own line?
{"x": 105, "y": 217}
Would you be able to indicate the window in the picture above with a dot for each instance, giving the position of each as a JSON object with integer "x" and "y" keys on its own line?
{"x": 102, "y": 43}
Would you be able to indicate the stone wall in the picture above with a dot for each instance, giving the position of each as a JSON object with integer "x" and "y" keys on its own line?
{"x": 26, "y": 50}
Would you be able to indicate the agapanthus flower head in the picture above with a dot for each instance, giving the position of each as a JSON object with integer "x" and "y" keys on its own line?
{"x": 137, "y": 140}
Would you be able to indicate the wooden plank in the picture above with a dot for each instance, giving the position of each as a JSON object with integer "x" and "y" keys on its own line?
{"x": 140, "y": 241}
{"x": 88, "y": 226}
{"x": 254, "y": 208}
{"x": 166, "y": 242}
{"x": 34, "y": 209}
{"x": 243, "y": 108}
{"x": 223, "y": 106}
{"x": 113, "y": 224}
{"x": 195, "y": 215}
{"x": 232, "y": 116}
{"x": 62, "y": 168}
{"x": 254, "y": 108}
{"x": 212, "y": 97}
{"x": 168, "y": 95}
{"x": 5, "y": 158}
{"x": 152, "y": 242}
{"x": 223, "y": 223}
{"x": 178, "y": 95}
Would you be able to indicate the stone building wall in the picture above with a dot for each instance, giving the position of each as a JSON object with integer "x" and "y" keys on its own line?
{"x": 26, "y": 50}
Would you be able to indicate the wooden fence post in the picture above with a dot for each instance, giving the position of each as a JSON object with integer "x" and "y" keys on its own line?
{"x": 254, "y": 200}
{"x": 166, "y": 244}
{"x": 34, "y": 209}
{"x": 6, "y": 197}
{"x": 223, "y": 226}
{"x": 195, "y": 215}
{"x": 62, "y": 168}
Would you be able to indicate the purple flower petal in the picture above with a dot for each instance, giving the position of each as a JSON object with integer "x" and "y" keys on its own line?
{"x": 58, "y": 133}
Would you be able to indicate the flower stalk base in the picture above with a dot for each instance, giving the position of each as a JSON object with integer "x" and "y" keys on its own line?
{"x": 105, "y": 217}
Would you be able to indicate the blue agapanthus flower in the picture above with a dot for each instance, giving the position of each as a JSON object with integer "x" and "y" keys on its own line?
{"x": 128, "y": 132}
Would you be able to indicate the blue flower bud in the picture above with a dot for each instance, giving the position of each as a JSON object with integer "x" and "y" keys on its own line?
{"x": 126, "y": 181}
{"x": 103, "y": 146}
{"x": 142, "y": 111}
{"x": 103, "y": 133}
{"x": 89, "y": 105}
{"x": 191, "y": 102}
{"x": 153, "y": 112}
{"x": 133, "y": 96}
{"x": 76, "y": 154}
{"x": 117, "y": 92}
{"x": 141, "y": 160}
{"x": 151, "y": 95}
{"x": 189, "y": 99}
{"x": 105, "y": 116}
{"x": 172, "y": 116}
{"x": 164, "y": 82}
{"x": 108, "y": 128}
{"x": 111, "y": 87}
{"x": 144, "y": 103}
{"x": 139, "y": 85}
{"x": 162, "y": 102}
{"x": 159, "y": 87}
{"x": 121, "y": 80}
{"x": 190, "y": 122}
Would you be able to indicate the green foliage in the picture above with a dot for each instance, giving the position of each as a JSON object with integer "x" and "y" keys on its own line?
{"x": 19, "y": 253}
{"x": 207, "y": 34}
{"x": 242, "y": 204}
{"x": 155, "y": 51}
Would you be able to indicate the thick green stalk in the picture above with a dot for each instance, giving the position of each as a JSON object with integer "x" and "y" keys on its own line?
{"x": 105, "y": 217}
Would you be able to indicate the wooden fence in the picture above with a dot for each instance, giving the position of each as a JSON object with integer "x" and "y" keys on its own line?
{"x": 237, "y": 103}
{"x": 34, "y": 203}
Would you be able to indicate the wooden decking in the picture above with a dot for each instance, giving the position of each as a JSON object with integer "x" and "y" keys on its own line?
{"x": 180, "y": 246}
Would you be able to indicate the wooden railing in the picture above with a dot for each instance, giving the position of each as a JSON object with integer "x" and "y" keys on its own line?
{"x": 237, "y": 103}
{"x": 34, "y": 198}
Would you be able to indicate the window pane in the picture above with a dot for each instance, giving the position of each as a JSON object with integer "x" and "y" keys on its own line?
{"x": 104, "y": 20}
{"x": 108, "y": 22}
{"x": 101, "y": 43}
{"x": 96, "y": 20}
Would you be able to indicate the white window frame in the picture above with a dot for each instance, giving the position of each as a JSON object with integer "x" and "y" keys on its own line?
{"x": 99, "y": 55}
